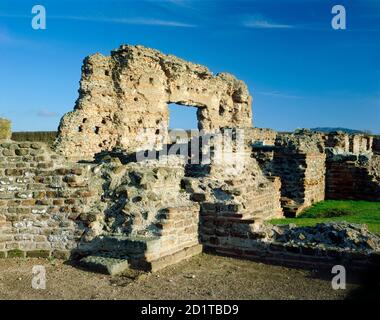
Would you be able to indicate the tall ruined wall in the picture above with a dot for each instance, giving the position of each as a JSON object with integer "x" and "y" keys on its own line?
{"x": 130, "y": 90}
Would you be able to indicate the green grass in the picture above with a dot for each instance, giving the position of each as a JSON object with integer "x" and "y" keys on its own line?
{"x": 338, "y": 210}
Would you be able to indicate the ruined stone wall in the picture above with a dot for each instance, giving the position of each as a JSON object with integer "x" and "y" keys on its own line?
{"x": 264, "y": 156}
{"x": 339, "y": 141}
{"x": 296, "y": 256}
{"x": 353, "y": 177}
{"x": 261, "y": 136}
{"x": 344, "y": 143}
{"x": 178, "y": 236}
{"x": 49, "y": 206}
{"x": 314, "y": 182}
{"x": 376, "y": 144}
{"x": 233, "y": 226}
{"x": 130, "y": 90}
{"x": 44, "y": 201}
{"x": 299, "y": 161}
{"x": 233, "y": 203}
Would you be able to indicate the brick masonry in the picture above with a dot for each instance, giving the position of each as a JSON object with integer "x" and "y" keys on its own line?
{"x": 42, "y": 201}
{"x": 296, "y": 256}
{"x": 349, "y": 178}
{"x": 157, "y": 212}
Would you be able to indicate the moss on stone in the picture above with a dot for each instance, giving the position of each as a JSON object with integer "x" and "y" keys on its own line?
{"x": 38, "y": 254}
{"x": 16, "y": 253}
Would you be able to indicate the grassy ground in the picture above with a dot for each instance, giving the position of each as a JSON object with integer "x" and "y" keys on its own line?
{"x": 339, "y": 210}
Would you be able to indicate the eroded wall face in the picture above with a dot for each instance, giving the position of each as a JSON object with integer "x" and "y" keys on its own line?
{"x": 352, "y": 178}
{"x": 299, "y": 160}
{"x": 45, "y": 202}
{"x": 344, "y": 143}
{"x": 123, "y": 94}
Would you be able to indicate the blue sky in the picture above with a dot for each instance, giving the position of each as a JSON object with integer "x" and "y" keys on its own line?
{"x": 300, "y": 71}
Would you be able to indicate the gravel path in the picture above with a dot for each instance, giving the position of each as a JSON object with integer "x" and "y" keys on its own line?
{"x": 201, "y": 277}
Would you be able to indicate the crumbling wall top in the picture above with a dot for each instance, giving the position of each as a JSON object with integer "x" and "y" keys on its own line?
{"x": 301, "y": 141}
{"x": 122, "y": 94}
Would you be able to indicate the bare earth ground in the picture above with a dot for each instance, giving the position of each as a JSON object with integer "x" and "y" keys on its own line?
{"x": 201, "y": 277}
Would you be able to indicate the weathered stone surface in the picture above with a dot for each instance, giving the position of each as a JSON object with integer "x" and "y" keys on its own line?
{"x": 121, "y": 210}
{"x": 353, "y": 177}
{"x": 104, "y": 264}
{"x": 130, "y": 90}
{"x": 334, "y": 235}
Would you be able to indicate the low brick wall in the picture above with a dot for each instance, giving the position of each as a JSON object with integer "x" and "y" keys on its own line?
{"x": 299, "y": 257}
{"x": 42, "y": 201}
{"x": 346, "y": 179}
{"x": 179, "y": 232}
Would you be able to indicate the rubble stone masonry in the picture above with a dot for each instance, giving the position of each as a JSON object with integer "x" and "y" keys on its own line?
{"x": 43, "y": 200}
{"x": 130, "y": 90}
{"x": 156, "y": 212}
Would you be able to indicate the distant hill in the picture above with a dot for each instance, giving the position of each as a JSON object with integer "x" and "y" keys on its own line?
{"x": 346, "y": 130}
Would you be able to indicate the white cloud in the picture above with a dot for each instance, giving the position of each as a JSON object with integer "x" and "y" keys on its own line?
{"x": 259, "y": 22}
{"x": 47, "y": 114}
{"x": 7, "y": 39}
{"x": 278, "y": 94}
{"x": 179, "y": 2}
{"x": 132, "y": 21}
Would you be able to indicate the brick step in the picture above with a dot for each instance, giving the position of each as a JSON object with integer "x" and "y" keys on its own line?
{"x": 220, "y": 207}
{"x": 229, "y": 219}
{"x": 224, "y": 215}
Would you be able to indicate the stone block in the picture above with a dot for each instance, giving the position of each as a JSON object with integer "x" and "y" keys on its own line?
{"x": 104, "y": 264}
{"x": 38, "y": 254}
{"x": 61, "y": 254}
{"x": 16, "y": 253}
